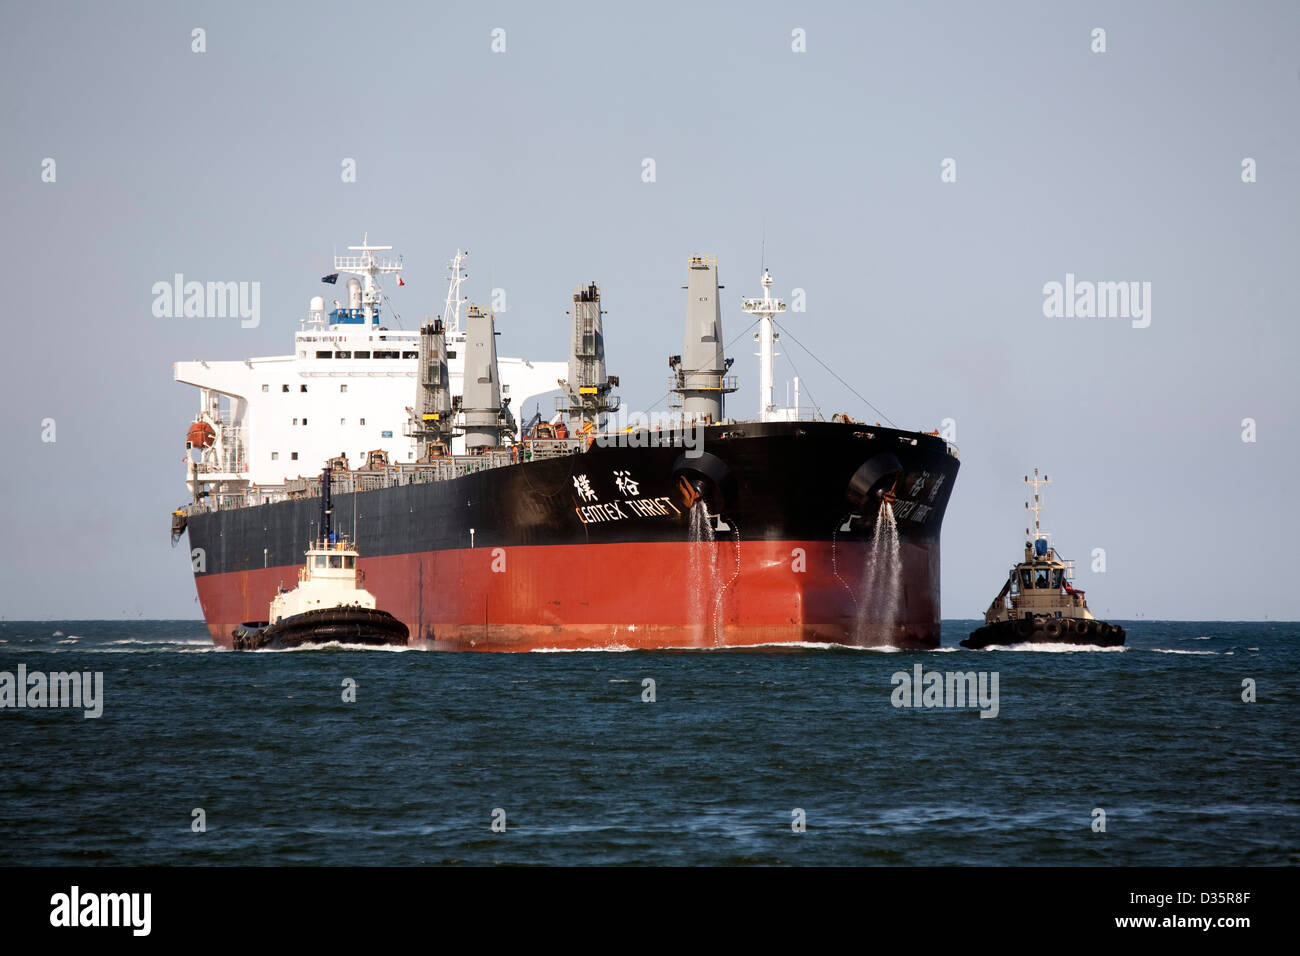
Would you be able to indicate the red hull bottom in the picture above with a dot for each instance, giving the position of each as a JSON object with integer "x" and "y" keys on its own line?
{"x": 627, "y": 596}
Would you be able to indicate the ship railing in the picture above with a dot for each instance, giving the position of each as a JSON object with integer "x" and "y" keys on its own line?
{"x": 540, "y": 449}
{"x": 702, "y": 382}
{"x": 405, "y": 473}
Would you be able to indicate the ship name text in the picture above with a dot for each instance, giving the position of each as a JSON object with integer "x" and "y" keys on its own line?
{"x": 637, "y": 508}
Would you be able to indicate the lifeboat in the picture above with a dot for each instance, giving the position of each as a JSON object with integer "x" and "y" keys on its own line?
{"x": 200, "y": 435}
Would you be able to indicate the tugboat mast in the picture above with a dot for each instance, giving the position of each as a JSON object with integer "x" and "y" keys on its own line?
{"x": 1035, "y": 507}
{"x": 765, "y": 308}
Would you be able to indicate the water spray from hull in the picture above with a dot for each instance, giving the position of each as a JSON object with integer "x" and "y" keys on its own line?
{"x": 704, "y": 583}
{"x": 881, "y": 599}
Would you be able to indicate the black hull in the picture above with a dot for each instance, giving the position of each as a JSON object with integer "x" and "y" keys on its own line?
{"x": 344, "y": 625}
{"x": 1047, "y": 630}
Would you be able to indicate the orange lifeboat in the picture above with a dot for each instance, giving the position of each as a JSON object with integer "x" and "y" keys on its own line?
{"x": 200, "y": 435}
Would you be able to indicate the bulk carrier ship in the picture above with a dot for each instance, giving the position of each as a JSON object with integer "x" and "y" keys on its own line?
{"x": 573, "y": 530}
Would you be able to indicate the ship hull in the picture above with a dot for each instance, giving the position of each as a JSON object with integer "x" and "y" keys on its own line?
{"x": 345, "y": 625}
{"x": 1046, "y": 630}
{"x": 596, "y": 550}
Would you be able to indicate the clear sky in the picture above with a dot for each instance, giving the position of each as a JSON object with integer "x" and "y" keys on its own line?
{"x": 928, "y": 296}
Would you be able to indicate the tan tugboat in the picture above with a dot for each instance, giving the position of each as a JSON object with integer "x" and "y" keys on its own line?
{"x": 1038, "y": 604}
{"x": 329, "y": 603}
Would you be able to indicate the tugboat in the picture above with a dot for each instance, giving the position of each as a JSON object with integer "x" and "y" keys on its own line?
{"x": 1038, "y": 604}
{"x": 329, "y": 603}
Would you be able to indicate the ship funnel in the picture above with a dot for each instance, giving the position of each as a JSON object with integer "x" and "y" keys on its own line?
{"x": 354, "y": 293}
{"x": 481, "y": 399}
{"x": 700, "y": 371}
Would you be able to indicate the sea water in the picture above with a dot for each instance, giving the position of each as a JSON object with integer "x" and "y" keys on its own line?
{"x": 339, "y": 755}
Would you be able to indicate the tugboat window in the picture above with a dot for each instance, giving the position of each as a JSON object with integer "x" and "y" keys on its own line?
{"x": 336, "y": 561}
{"x": 349, "y": 562}
{"x": 1041, "y": 580}
{"x": 320, "y": 560}
{"x": 1056, "y": 579}
{"x": 1026, "y": 579}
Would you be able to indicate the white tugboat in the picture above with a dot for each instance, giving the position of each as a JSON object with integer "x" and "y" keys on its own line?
{"x": 329, "y": 603}
{"x": 1038, "y": 604}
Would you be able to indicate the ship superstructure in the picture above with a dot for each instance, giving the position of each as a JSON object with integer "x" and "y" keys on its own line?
{"x": 482, "y": 530}
{"x": 344, "y": 391}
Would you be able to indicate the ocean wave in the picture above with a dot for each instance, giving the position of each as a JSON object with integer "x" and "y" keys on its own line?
{"x": 336, "y": 646}
{"x": 1060, "y": 648}
{"x": 610, "y": 649}
{"x": 792, "y": 646}
{"x": 1172, "y": 650}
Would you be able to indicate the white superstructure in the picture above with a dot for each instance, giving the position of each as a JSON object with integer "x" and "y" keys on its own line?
{"x": 330, "y": 578}
{"x": 345, "y": 390}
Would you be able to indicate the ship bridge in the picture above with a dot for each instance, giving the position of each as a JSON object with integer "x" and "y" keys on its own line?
{"x": 344, "y": 391}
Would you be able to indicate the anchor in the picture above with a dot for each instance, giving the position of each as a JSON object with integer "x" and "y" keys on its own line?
{"x": 690, "y": 493}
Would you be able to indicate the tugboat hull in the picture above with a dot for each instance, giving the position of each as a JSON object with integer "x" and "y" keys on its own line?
{"x": 346, "y": 625}
{"x": 1047, "y": 630}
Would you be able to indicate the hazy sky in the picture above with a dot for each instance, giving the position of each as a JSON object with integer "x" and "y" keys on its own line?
{"x": 1116, "y": 166}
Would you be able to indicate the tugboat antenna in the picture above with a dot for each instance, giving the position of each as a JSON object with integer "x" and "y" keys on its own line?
{"x": 1036, "y": 507}
{"x": 326, "y": 506}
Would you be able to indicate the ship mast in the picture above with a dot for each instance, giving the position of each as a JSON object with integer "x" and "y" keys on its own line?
{"x": 367, "y": 266}
{"x": 765, "y": 308}
{"x": 451, "y": 310}
{"x": 1036, "y": 507}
